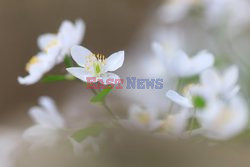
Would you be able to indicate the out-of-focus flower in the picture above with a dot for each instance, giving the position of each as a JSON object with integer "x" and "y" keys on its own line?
{"x": 213, "y": 85}
{"x": 233, "y": 14}
{"x": 95, "y": 66}
{"x": 179, "y": 64}
{"x": 141, "y": 119}
{"x": 175, "y": 10}
{"x": 37, "y": 67}
{"x": 54, "y": 47}
{"x": 223, "y": 120}
{"x": 221, "y": 85}
{"x": 49, "y": 127}
{"x": 175, "y": 124}
{"x": 69, "y": 35}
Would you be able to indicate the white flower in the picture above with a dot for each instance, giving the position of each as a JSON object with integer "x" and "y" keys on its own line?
{"x": 232, "y": 13}
{"x": 69, "y": 34}
{"x": 223, "y": 120}
{"x": 223, "y": 85}
{"x": 213, "y": 85}
{"x": 37, "y": 67}
{"x": 175, "y": 10}
{"x": 96, "y": 66}
{"x": 54, "y": 47}
{"x": 175, "y": 124}
{"x": 141, "y": 119}
{"x": 179, "y": 64}
{"x": 49, "y": 126}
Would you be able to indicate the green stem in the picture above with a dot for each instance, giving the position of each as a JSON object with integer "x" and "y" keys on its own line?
{"x": 192, "y": 123}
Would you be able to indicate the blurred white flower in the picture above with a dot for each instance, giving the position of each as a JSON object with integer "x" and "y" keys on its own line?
{"x": 141, "y": 119}
{"x": 179, "y": 64}
{"x": 49, "y": 127}
{"x": 54, "y": 48}
{"x": 222, "y": 85}
{"x": 232, "y": 13}
{"x": 69, "y": 34}
{"x": 95, "y": 66}
{"x": 222, "y": 120}
{"x": 175, "y": 123}
{"x": 37, "y": 67}
{"x": 212, "y": 86}
{"x": 175, "y": 10}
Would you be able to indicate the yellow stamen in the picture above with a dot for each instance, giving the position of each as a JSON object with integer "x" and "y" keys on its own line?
{"x": 32, "y": 61}
{"x": 144, "y": 118}
{"x": 51, "y": 44}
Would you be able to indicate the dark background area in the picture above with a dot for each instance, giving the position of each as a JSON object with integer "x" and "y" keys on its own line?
{"x": 111, "y": 25}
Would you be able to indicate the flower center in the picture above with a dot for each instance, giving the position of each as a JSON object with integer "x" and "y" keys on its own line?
{"x": 144, "y": 118}
{"x": 199, "y": 102}
{"x": 95, "y": 63}
{"x": 51, "y": 44}
{"x": 32, "y": 61}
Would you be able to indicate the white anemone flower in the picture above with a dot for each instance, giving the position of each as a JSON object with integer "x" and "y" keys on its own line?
{"x": 179, "y": 64}
{"x": 69, "y": 34}
{"x": 95, "y": 66}
{"x": 176, "y": 10}
{"x": 49, "y": 126}
{"x": 213, "y": 85}
{"x": 223, "y": 84}
{"x": 141, "y": 119}
{"x": 223, "y": 120}
{"x": 36, "y": 67}
{"x": 175, "y": 124}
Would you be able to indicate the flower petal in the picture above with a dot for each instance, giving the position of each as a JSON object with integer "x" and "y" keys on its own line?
{"x": 44, "y": 40}
{"x": 79, "y": 73}
{"x": 79, "y": 54}
{"x": 114, "y": 61}
{"x": 230, "y": 77}
{"x": 201, "y": 61}
{"x": 182, "y": 101}
{"x": 110, "y": 76}
{"x": 80, "y": 28}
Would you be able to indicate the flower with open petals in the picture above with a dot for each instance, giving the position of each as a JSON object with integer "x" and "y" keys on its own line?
{"x": 179, "y": 64}
{"x": 37, "y": 67}
{"x": 223, "y": 120}
{"x": 95, "y": 66}
{"x": 49, "y": 124}
{"x": 69, "y": 34}
{"x": 141, "y": 119}
{"x": 213, "y": 85}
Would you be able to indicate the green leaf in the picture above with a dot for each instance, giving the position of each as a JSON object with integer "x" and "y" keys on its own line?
{"x": 56, "y": 78}
{"x": 68, "y": 61}
{"x": 100, "y": 97}
{"x": 82, "y": 134}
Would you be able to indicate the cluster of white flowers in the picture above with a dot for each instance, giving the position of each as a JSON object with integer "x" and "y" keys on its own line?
{"x": 232, "y": 13}
{"x": 53, "y": 49}
{"x": 210, "y": 106}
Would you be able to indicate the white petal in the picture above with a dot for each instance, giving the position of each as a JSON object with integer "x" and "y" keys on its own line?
{"x": 80, "y": 28}
{"x": 29, "y": 79}
{"x": 159, "y": 51}
{"x": 79, "y": 73}
{"x": 79, "y": 54}
{"x": 44, "y": 40}
{"x": 114, "y": 61}
{"x": 201, "y": 61}
{"x": 230, "y": 77}
{"x": 113, "y": 77}
{"x": 211, "y": 80}
{"x": 182, "y": 101}
{"x": 180, "y": 64}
